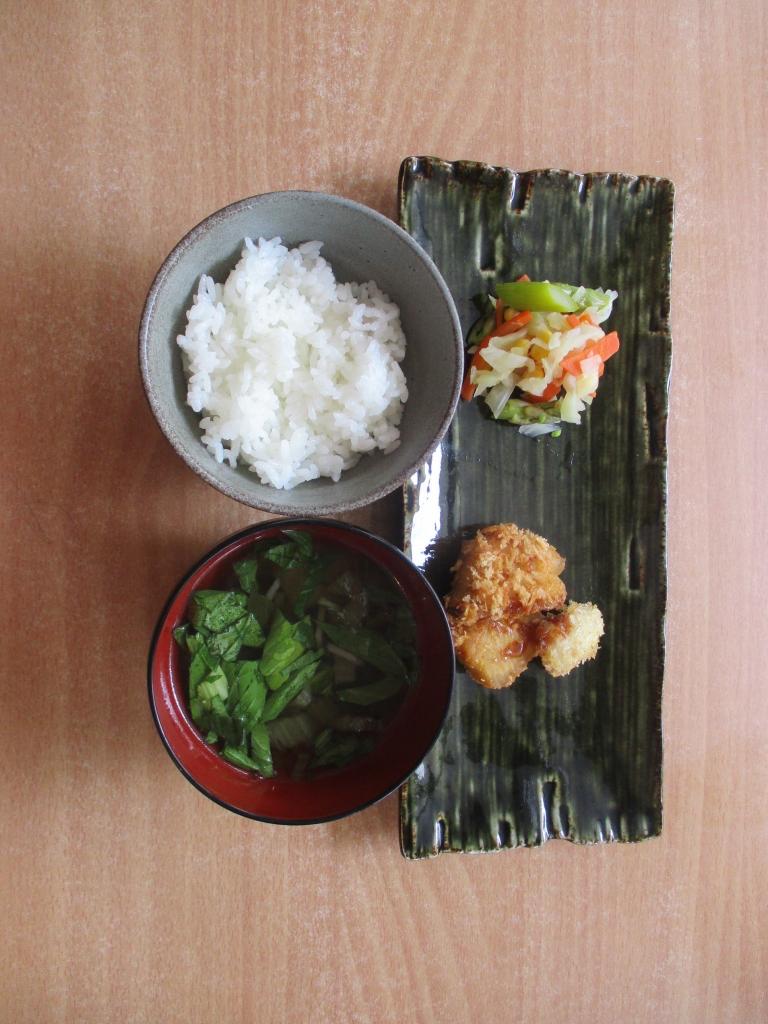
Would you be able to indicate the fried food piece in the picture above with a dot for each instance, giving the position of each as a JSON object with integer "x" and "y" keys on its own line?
{"x": 570, "y": 638}
{"x": 506, "y": 571}
{"x": 495, "y": 652}
{"x": 506, "y": 607}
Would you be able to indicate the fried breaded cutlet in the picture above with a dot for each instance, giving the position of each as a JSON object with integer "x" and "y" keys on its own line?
{"x": 494, "y": 651}
{"x": 570, "y": 638}
{"x": 506, "y": 571}
{"x": 506, "y": 608}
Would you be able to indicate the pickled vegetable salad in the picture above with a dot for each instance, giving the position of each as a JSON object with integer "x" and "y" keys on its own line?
{"x": 538, "y": 352}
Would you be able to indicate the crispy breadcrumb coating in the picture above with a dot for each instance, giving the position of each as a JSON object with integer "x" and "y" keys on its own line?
{"x": 570, "y": 638}
{"x": 506, "y": 608}
{"x": 506, "y": 571}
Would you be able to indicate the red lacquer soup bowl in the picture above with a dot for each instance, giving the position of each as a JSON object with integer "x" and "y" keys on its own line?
{"x": 285, "y": 800}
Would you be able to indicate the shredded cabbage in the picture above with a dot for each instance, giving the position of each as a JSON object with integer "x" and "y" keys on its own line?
{"x": 537, "y": 429}
{"x": 498, "y": 397}
{"x": 596, "y": 300}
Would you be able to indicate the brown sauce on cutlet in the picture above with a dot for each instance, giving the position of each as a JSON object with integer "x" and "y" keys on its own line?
{"x": 514, "y": 650}
{"x": 530, "y": 642}
{"x": 535, "y": 632}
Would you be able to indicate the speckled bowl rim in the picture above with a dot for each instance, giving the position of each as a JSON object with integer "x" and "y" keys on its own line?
{"x": 157, "y": 405}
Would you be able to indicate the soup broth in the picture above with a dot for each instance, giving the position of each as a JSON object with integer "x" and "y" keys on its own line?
{"x": 301, "y": 661}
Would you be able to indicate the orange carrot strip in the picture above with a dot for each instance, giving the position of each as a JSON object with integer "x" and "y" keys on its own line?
{"x": 549, "y": 392}
{"x": 572, "y": 363}
{"x": 521, "y": 318}
{"x": 608, "y": 345}
{"x": 467, "y": 388}
{"x": 577, "y": 319}
{"x": 478, "y": 363}
{"x": 604, "y": 347}
{"x": 518, "y": 320}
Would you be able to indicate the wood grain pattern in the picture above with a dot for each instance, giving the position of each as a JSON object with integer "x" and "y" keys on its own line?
{"x": 128, "y": 897}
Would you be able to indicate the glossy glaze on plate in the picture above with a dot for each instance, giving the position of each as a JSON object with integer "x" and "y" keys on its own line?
{"x": 577, "y": 758}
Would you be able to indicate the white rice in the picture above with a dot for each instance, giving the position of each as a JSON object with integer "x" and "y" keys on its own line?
{"x": 296, "y": 375}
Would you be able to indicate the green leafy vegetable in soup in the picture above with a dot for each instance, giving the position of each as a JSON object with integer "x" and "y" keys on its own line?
{"x": 301, "y": 662}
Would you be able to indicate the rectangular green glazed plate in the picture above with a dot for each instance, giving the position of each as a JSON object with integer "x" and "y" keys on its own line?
{"x": 576, "y": 758}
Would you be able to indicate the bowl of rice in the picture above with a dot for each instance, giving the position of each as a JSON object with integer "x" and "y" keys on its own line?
{"x": 301, "y": 353}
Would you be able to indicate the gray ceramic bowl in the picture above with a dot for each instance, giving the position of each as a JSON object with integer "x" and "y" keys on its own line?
{"x": 361, "y": 245}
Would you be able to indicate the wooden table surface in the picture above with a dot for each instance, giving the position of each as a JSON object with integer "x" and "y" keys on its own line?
{"x": 128, "y": 897}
